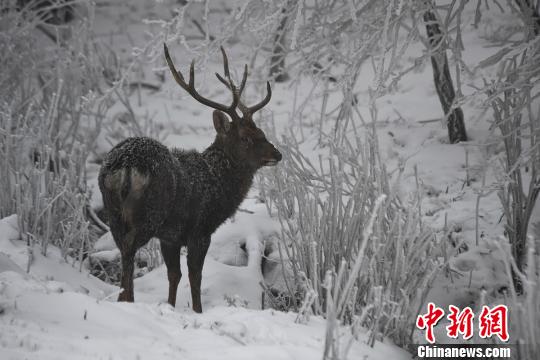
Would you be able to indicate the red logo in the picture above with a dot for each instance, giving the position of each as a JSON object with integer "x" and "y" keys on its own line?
{"x": 429, "y": 320}
{"x": 494, "y": 322}
{"x": 491, "y": 322}
{"x": 461, "y": 322}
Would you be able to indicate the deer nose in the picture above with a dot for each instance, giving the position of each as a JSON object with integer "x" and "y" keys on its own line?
{"x": 277, "y": 154}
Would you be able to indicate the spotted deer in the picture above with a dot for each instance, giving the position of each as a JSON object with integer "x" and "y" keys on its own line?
{"x": 181, "y": 197}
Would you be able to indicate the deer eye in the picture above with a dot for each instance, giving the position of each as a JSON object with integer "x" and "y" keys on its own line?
{"x": 246, "y": 140}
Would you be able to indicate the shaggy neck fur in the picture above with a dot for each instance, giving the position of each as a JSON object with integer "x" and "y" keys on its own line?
{"x": 235, "y": 177}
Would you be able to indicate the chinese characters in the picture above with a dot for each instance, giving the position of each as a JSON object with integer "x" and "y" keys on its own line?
{"x": 491, "y": 322}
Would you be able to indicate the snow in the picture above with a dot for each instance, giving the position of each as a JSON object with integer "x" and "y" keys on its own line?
{"x": 59, "y": 312}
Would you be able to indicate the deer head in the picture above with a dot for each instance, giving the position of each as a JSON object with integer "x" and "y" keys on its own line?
{"x": 239, "y": 137}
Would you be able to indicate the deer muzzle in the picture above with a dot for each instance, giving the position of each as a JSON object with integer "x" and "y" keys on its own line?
{"x": 274, "y": 158}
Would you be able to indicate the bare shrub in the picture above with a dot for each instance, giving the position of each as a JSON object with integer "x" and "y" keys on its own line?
{"x": 524, "y": 308}
{"x": 51, "y": 109}
{"x": 342, "y": 221}
{"x": 513, "y": 97}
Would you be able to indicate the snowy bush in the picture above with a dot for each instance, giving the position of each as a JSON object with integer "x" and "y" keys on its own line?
{"x": 513, "y": 98}
{"x": 376, "y": 274}
{"x": 50, "y": 115}
{"x": 525, "y": 307}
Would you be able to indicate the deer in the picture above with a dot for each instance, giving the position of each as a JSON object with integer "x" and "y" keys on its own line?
{"x": 182, "y": 196}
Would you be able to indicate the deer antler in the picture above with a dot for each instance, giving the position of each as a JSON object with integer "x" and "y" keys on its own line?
{"x": 190, "y": 86}
{"x": 243, "y": 108}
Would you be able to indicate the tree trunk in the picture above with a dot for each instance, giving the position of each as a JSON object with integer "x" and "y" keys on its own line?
{"x": 443, "y": 80}
{"x": 518, "y": 240}
{"x": 532, "y": 17}
{"x": 517, "y": 230}
{"x": 277, "y": 60}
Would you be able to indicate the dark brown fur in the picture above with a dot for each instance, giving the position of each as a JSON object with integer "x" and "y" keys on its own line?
{"x": 180, "y": 197}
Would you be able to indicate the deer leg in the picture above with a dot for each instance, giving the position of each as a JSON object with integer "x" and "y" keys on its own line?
{"x": 171, "y": 256}
{"x": 124, "y": 241}
{"x": 129, "y": 245}
{"x": 195, "y": 259}
{"x": 126, "y": 283}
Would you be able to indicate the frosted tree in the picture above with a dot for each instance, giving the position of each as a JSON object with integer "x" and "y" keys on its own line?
{"x": 513, "y": 98}
{"x": 279, "y": 50}
{"x": 441, "y": 75}
{"x": 531, "y": 14}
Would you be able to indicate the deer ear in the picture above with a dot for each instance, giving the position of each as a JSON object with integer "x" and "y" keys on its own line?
{"x": 221, "y": 122}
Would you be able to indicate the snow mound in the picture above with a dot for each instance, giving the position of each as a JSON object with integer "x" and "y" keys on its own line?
{"x": 58, "y": 312}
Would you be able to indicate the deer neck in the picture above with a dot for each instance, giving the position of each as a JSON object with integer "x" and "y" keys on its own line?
{"x": 234, "y": 177}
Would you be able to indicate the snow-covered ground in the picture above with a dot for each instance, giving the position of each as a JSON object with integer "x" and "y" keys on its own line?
{"x": 57, "y": 311}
